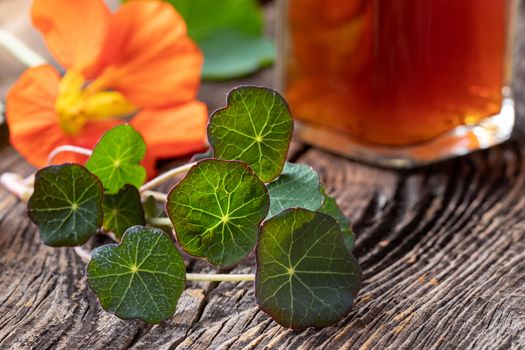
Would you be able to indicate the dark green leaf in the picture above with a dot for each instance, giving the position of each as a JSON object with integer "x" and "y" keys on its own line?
{"x": 116, "y": 157}
{"x": 331, "y": 208}
{"x": 66, "y": 205}
{"x": 233, "y": 55}
{"x": 122, "y": 210}
{"x": 255, "y": 127}
{"x": 143, "y": 277}
{"x": 296, "y": 187}
{"x": 305, "y": 275}
{"x": 229, "y": 32}
{"x": 216, "y": 211}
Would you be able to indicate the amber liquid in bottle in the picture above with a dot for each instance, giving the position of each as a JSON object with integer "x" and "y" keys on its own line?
{"x": 395, "y": 72}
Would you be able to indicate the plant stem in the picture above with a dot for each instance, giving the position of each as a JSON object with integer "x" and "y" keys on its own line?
{"x": 83, "y": 254}
{"x": 68, "y": 148}
{"x": 160, "y": 222}
{"x": 20, "y": 50}
{"x": 17, "y": 185}
{"x": 209, "y": 277}
{"x": 162, "y": 197}
{"x": 165, "y": 177}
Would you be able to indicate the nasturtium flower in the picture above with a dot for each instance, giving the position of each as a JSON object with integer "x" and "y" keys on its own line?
{"x": 136, "y": 65}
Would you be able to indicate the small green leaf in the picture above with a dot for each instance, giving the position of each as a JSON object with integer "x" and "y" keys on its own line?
{"x": 331, "y": 208}
{"x": 116, "y": 157}
{"x": 122, "y": 210}
{"x": 305, "y": 275}
{"x": 143, "y": 277}
{"x": 255, "y": 127}
{"x": 297, "y": 187}
{"x": 216, "y": 211}
{"x": 66, "y": 205}
{"x": 232, "y": 55}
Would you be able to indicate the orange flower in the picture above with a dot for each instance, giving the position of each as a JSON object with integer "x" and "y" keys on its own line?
{"x": 136, "y": 62}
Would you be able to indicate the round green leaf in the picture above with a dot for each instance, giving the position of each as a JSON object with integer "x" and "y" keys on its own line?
{"x": 66, "y": 205}
{"x": 143, "y": 277}
{"x": 331, "y": 208}
{"x": 297, "y": 187}
{"x": 116, "y": 157}
{"x": 305, "y": 275}
{"x": 255, "y": 127}
{"x": 122, "y": 210}
{"x": 216, "y": 211}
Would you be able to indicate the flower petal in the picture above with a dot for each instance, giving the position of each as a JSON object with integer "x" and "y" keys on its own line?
{"x": 33, "y": 124}
{"x": 74, "y": 30}
{"x": 148, "y": 57}
{"x": 175, "y": 131}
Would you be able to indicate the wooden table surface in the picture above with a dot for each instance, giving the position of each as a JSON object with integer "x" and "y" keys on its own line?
{"x": 442, "y": 249}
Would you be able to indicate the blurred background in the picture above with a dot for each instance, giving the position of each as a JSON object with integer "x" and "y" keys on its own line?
{"x": 243, "y": 27}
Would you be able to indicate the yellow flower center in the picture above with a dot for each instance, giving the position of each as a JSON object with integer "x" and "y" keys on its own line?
{"x": 78, "y": 104}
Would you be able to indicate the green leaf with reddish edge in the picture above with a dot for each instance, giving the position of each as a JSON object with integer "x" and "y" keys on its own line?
{"x": 331, "y": 208}
{"x": 142, "y": 277}
{"x": 216, "y": 210}
{"x": 305, "y": 275}
{"x": 66, "y": 205}
{"x": 256, "y": 127}
{"x": 116, "y": 159}
{"x": 122, "y": 210}
{"x": 298, "y": 186}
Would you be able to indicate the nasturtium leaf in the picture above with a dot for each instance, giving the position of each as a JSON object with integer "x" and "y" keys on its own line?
{"x": 122, "y": 210}
{"x": 305, "y": 275}
{"x": 216, "y": 210}
{"x": 298, "y": 186}
{"x": 331, "y": 208}
{"x": 143, "y": 277}
{"x": 255, "y": 127}
{"x": 116, "y": 157}
{"x": 230, "y": 34}
{"x": 66, "y": 205}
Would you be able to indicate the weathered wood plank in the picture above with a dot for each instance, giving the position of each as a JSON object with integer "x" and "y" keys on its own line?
{"x": 442, "y": 250}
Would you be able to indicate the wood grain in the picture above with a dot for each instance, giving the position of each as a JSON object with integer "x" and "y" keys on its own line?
{"x": 442, "y": 250}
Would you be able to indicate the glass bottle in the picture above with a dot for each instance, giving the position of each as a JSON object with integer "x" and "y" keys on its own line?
{"x": 399, "y": 83}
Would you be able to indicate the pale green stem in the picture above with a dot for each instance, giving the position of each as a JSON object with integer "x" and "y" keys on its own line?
{"x": 20, "y": 50}
{"x": 2, "y": 110}
{"x": 17, "y": 185}
{"x": 161, "y": 197}
{"x": 23, "y": 187}
{"x": 210, "y": 277}
{"x": 68, "y": 148}
{"x": 166, "y": 176}
{"x": 160, "y": 222}
{"x": 85, "y": 256}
